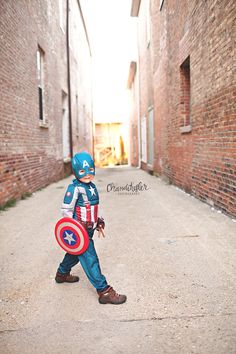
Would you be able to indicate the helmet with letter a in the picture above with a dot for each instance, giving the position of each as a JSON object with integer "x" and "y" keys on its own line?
{"x": 83, "y": 165}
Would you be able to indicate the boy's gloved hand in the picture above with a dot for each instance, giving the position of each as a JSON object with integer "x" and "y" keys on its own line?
{"x": 100, "y": 227}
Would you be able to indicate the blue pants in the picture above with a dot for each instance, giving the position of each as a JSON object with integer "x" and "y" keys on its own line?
{"x": 90, "y": 263}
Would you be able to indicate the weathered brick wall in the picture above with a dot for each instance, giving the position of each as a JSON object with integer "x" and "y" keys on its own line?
{"x": 202, "y": 158}
{"x": 160, "y": 64}
{"x": 31, "y": 156}
{"x": 213, "y": 107}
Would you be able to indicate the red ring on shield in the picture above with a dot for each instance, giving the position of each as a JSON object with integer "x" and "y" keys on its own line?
{"x": 71, "y": 236}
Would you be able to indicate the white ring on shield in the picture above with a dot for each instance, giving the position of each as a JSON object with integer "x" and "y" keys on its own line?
{"x": 78, "y": 249}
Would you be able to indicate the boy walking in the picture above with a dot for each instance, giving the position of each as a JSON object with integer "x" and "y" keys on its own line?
{"x": 81, "y": 203}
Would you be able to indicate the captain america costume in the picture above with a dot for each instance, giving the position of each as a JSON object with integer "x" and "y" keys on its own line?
{"x": 81, "y": 203}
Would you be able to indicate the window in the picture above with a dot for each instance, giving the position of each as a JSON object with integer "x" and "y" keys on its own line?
{"x": 134, "y": 141}
{"x": 150, "y": 136}
{"x": 185, "y": 96}
{"x": 40, "y": 74}
{"x": 144, "y": 139}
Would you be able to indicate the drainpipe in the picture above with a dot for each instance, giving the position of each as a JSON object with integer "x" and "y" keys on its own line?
{"x": 85, "y": 28}
{"x": 90, "y": 52}
{"x": 68, "y": 74}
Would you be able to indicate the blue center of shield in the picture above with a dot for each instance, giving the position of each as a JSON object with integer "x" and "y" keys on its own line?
{"x": 69, "y": 238}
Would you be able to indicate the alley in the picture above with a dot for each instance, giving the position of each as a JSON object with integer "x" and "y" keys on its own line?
{"x": 173, "y": 256}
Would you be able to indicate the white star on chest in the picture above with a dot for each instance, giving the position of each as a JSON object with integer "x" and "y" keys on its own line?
{"x": 69, "y": 238}
{"x": 92, "y": 191}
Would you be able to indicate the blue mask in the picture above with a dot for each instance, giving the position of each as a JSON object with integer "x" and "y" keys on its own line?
{"x": 82, "y": 165}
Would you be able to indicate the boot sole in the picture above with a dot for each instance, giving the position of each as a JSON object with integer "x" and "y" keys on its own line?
{"x": 111, "y": 303}
{"x": 64, "y": 281}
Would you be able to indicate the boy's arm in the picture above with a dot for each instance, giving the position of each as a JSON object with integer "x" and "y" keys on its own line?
{"x": 68, "y": 205}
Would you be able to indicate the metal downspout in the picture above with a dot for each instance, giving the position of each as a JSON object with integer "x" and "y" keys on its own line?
{"x": 68, "y": 74}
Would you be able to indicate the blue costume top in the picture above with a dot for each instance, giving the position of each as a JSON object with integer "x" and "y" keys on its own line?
{"x": 81, "y": 202}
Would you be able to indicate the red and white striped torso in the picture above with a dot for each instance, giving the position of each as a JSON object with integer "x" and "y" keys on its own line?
{"x": 87, "y": 213}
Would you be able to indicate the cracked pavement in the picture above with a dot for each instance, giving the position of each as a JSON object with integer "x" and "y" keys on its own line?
{"x": 172, "y": 255}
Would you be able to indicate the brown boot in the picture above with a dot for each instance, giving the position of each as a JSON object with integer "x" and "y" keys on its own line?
{"x": 66, "y": 278}
{"x": 109, "y": 296}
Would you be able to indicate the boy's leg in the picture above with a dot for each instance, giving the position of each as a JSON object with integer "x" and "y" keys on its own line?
{"x": 90, "y": 263}
{"x": 63, "y": 272}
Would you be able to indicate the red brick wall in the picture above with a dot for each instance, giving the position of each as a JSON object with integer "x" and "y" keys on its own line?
{"x": 25, "y": 173}
{"x": 201, "y": 160}
{"x": 31, "y": 156}
{"x": 160, "y": 62}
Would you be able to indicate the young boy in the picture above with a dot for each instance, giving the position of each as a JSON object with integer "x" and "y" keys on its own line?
{"x": 81, "y": 203}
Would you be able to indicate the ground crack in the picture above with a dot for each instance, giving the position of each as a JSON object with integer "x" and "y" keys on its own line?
{"x": 184, "y": 317}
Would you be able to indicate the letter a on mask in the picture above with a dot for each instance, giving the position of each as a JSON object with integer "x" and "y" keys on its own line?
{"x": 85, "y": 163}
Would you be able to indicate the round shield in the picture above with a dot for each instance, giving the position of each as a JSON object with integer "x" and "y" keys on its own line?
{"x": 71, "y": 236}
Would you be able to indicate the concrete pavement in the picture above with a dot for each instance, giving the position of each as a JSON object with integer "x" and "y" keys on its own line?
{"x": 173, "y": 256}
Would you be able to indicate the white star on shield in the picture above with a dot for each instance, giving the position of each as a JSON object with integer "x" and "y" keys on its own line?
{"x": 69, "y": 237}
